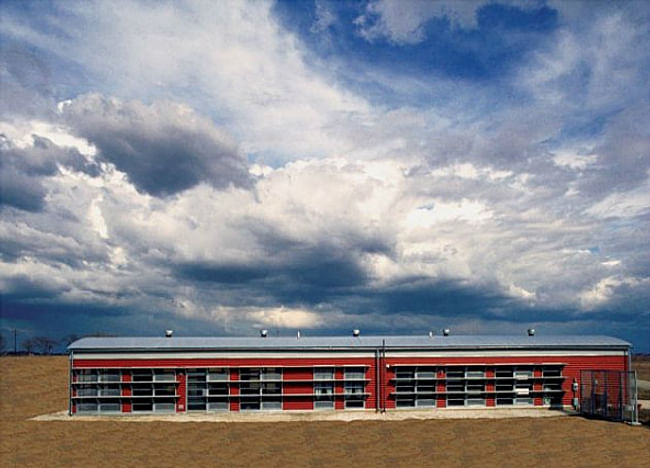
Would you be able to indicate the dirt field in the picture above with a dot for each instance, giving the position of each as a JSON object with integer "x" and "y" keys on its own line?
{"x": 35, "y": 385}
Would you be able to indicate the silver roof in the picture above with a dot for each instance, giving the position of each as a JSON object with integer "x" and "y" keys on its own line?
{"x": 341, "y": 342}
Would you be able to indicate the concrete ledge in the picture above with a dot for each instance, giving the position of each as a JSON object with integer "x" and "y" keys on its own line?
{"x": 288, "y": 416}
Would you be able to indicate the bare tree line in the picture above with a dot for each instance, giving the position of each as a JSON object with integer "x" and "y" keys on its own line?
{"x": 42, "y": 344}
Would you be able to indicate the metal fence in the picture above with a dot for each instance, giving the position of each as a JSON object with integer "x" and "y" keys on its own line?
{"x": 609, "y": 394}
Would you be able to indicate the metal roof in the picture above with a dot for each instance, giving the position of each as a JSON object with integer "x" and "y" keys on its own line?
{"x": 346, "y": 343}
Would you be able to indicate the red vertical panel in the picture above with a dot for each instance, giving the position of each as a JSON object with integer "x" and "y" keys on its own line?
{"x": 181, "y": 389}
{"x": 338, "y": 388}
{"x": 489, "y": 387}
{"x": 388, "y": 385}
{"x": 371, "y": 385}
{"x": 74, "y": 407}
{"x": 440, "y": 387}
{"x": 297, "y": 381}
{"x": 234, "y": 390}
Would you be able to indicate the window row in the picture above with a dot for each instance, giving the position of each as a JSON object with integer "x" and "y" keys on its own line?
{"x": 473, "y": 372}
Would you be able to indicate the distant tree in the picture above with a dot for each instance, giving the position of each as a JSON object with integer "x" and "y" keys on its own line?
{"x": 29, "y": 345}
{"x": 3, "y": 344}
{"x": 44, "y": 344}
{"x": 69, "y": 339}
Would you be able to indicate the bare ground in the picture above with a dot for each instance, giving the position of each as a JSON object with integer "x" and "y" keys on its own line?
{"x": 32, "y": 386}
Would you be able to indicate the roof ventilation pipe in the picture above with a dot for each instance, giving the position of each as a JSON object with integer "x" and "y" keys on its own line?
{"x": 169, "y": 333}
{"x": 298, "y": 334}
{"x": 531, "y": 332}
{"x": 356, "y": 332}
{"x": 264, "y": 333}
{"x": 446, "y": 331}
{"x": 430, "y": 333}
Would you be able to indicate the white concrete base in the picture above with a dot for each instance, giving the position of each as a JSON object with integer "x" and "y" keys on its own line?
{"x": 348, "y": 415}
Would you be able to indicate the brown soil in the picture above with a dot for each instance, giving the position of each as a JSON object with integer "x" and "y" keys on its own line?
{"x": 35, "y": 385}
{"x": 642, "y": 366}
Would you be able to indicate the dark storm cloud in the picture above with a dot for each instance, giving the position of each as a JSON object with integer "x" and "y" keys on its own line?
{"x": 164, "y": 148}
{"x": 22, "y": 170}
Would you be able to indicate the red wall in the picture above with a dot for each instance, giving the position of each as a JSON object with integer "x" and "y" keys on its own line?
{"x": 294, "y": 382}
{"x": 573, "y": 365}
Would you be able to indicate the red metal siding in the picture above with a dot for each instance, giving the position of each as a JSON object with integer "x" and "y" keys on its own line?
{"x": 181, "y": 376}
{"x": 338, "y": 389}
{"x": 489, "y": 387}
{"x": 234, "y": 390}
{"x": 297, "y": 381}
{"x": 297, "y": 369}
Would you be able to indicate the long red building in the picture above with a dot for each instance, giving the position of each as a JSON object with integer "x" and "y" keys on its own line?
{"x": 194, "y": 374}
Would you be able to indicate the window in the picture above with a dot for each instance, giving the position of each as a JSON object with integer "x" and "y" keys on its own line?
{"x": 455, "y": 373}
{"x": 86, "y": 390}
{"x": 474, "y": 372}
{"x": 164, "y": 375}
{"x": 217, "y": 389}
{"x": 142, "y": 375}
{"x": 249, "y": 374}
{"x": 425, "y": 402}
{"x": 271, "y": 373}
{"x": 405, "y": 373}
{"x": 323, "y": 373}
{"x": 142, "y": 390}
{"x": 164, "y": 406}
{"x": 110, "y": 406}
{"x": 522, "y": 393}
{"x": 216, "y": 375}
{"x": 523, "y": 373}
{"x": 142, "y": 405}
{"x": 474, "y": 401}
{"x": 503, "y": 373}
{"x": 87, "y": 407}
{"x": 425, "y": 373}
{"x": 109, "y": 390}
{"x": 165, "y": 390}
{"x": 552, "y": 372}
{"x": 86, "y": 375}
{"x": 354, "y": 387}
{"x": 261, "y": 388}
{"x": 404, "y": 401}
{"x": 475, "y": 387}
{"x": 358, "y": 373}
{"x": 109, "y": 376}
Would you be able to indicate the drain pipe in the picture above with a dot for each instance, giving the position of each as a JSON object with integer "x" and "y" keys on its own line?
{"x": 383, "y": 375}
{"x": 377, "y": 380}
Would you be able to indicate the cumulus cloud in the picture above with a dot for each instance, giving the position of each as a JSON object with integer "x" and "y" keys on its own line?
{"x": 163, "y": 148}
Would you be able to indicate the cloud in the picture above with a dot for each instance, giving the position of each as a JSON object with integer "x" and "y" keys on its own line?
{"x": 164, "y": 148}
{"x": 23, "y": 166}
{"x": 397, "y": 184}
{"x": 404, "y": 22}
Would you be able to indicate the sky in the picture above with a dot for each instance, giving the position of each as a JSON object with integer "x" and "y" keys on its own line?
{"x": 398, "y": 167}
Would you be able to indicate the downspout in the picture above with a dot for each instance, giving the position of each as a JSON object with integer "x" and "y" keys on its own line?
{"x": 377, "y": 381}
{"x": 383, "y": 376}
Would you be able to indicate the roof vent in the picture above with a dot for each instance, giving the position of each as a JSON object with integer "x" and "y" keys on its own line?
{"x": 446, "y": 331}
{"x": 169, "y": 333}
{"x": 430, "y": 333}
{"x": 298, "y": 334}
{"x": 356, "y": 332}
{"x": 531, "y": 332}
{"x": 264, "y": 333}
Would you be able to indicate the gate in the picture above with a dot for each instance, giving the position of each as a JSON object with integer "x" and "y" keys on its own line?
{"x": 609, "y": 394}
